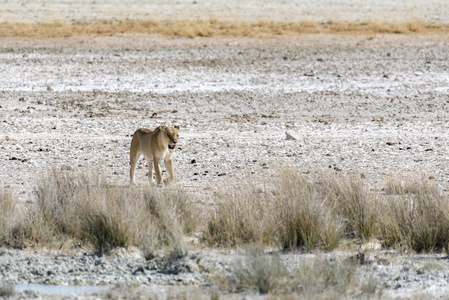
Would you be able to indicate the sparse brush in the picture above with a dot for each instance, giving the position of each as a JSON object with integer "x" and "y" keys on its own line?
{"x": 7, "y": 210}
{"x": 16, "y": 224}
{"x": 239, "y": 218}
{"x": 84, "y": 206}
{"x": 175, "y": 214}
{"x": 351, "y": 200}
{"x": 108, "y": 222}
{"x": 292, "y": 214}
{"x": 304, "y": 215}
{"x": 416, "y": 217}
{"x": 259, "y": 270}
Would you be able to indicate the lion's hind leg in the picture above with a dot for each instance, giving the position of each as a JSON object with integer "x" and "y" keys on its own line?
{"x": 134, "y": 155}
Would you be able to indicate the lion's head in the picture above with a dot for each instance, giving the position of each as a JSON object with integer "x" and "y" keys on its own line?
{"x": 172, "y": 135}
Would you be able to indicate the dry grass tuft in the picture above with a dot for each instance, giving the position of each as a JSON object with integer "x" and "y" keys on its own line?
{"x": 297, "y": 212}
{"x": 304, "y": 214}
{"x": 414, "y": 185}
{"x": 84, "y": 206}
{"x": 330, "y": 278}
{"x": 293, "y": 212}
{"x": 16, "y": 225}
{"x": 352, "y": 201}
{"x": 212, "y": 28}
{"x": 415, "y": 216}
{"x": 239, "y": 218}
{"x": 7, "y": 210}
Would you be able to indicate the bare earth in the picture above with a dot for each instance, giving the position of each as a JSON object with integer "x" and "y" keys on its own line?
{"x": 359, "y": 105}
{"x": 48, "y": 11}
{"x": 376, "y": 106}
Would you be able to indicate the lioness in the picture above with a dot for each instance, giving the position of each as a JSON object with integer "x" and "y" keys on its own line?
{"x": 155, "y": 145}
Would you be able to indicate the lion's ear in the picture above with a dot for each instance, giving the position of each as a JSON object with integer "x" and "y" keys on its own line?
{"x": 177, "y": 127}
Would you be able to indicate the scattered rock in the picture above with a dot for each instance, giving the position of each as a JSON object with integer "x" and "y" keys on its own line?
{"x": 359, "y": 258}
{"x": 372, "y": 246}
{"x": 139, "y": 270}
{"x": 290, "y": 136}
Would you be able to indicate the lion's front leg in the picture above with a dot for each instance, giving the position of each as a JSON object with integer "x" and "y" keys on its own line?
{"x": 169, "y": 166}
{"x": 150, "y": 170}
{"x": 157, "y": 169}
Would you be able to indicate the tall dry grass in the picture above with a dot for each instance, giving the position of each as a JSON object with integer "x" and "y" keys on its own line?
{"x": 352, "y": 200}
{"x": 17, "y": 228}
{"x": 307, "y": 213}
{"x": 415, "y": 215}
{"x": 8, "y": 210}
{"x": 86, "y": 207}
{"x": 304, "y": 214}
{"x": 293, "y": 211}
{"x": 296, "y": 212}
{"x": 213, "y": 28}
{"x": 240, "y": 217}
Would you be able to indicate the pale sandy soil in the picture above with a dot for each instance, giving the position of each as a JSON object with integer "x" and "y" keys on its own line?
{"x": 371, "y": 105}
{"x": 357, "y": 105}
{"x": 234, "y": 10}
{"x": 375, "y": 106}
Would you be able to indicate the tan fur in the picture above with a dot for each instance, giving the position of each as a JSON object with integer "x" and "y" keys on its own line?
{"x": 155, "y": 145}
